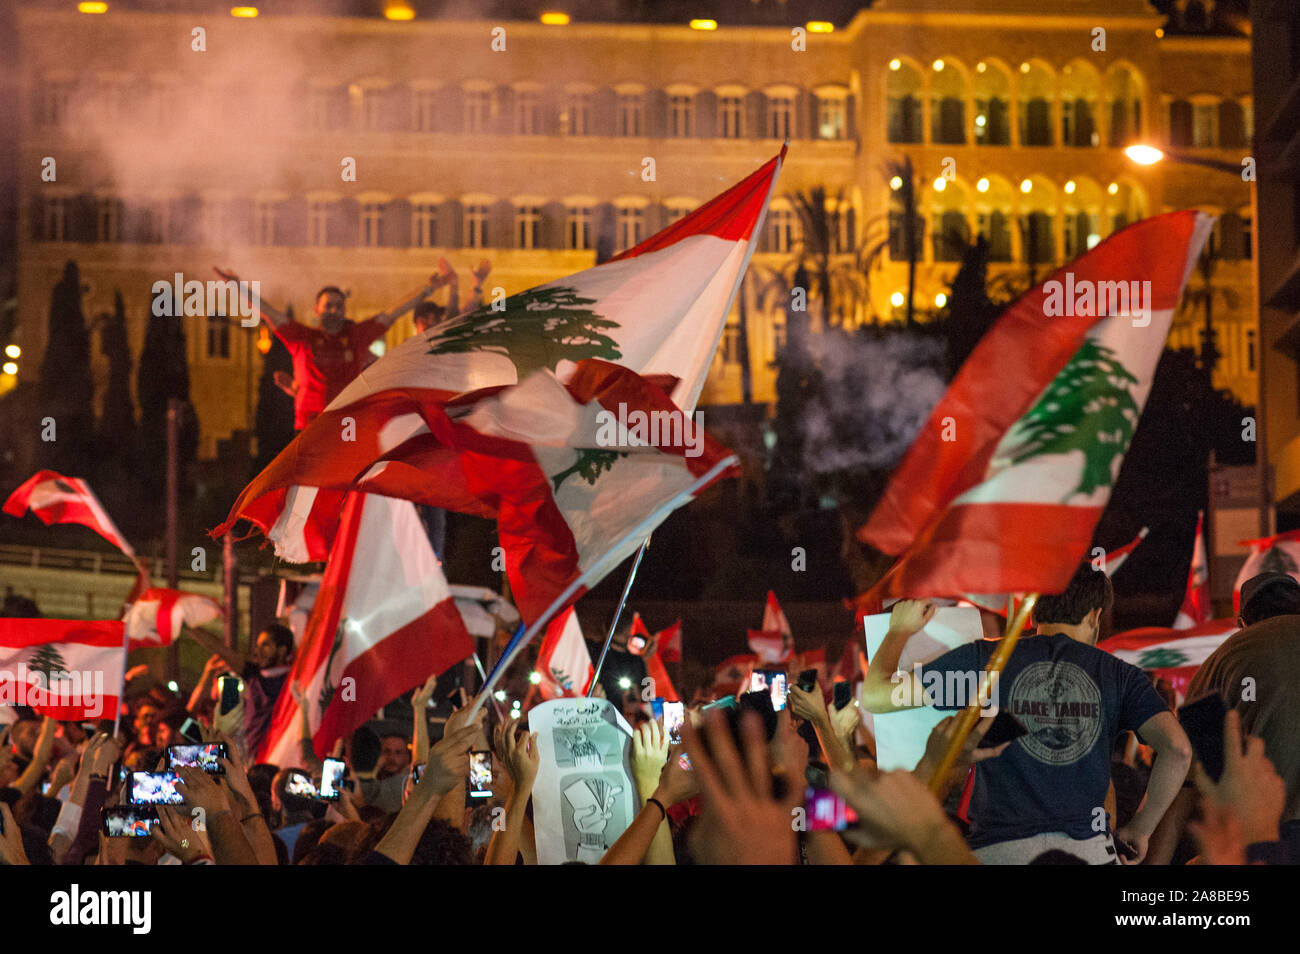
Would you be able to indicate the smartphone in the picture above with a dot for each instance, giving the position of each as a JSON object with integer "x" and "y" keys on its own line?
{"x": 843, "y": 694}
{"x": 204, "y": 755}
{"x": 480, "y": 774}
{"x": 417, "y": 773}
{"x": 657, "y": 707}
{"x": 300, "y": 785}
{"x": 129, "y": 821}
{"x": 230, "y": 687}
{"x": 45, "y": 788}
{"x": 190, "y": 730}
{"x": 826, "y": 811}
{"x": 636, "y": 644}
{"x": 1203, "y": 722}
{"x": 674, "y": 714}
{"x": 154, "y": 788}
{"x": 331, "y": 779}
{"x": 807, "y": 680}
{"x": 1005, "y": 727}
{"x": 774, "y": 681}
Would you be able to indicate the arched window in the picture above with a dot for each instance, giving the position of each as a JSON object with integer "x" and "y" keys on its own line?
{"x": 1036, "y": 94}
{"x": 1082, "y": 206}
{"x": 949, "y": 230}
{"x": 992, "y": 105}
{"x": 947, "y": 103}
{"x": 994, "y": 200}
{"x": 1125, "y": 204}
{"x": 903, "y": 111}
{"x": 1080, "y": 94}
{"x": 1124, "y": 96}
{"x": 1180, "y": 123}
{"x": 1037, "y": 221}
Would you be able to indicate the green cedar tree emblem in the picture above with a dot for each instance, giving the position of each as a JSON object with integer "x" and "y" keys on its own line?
{"x": 1164, "y": 658}
{"x": 537, "y": 329}
{"x": 1088, "y": 407}
{"x": 589, "y": 465}
{"x": 46, "y": 659}
{"x": 328, "y": 688}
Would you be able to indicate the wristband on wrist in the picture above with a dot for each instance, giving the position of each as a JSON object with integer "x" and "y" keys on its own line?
{"x": 658, "y": 804}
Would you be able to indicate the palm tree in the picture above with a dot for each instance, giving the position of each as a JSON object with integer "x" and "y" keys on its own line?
{"x": 911, "y": 225}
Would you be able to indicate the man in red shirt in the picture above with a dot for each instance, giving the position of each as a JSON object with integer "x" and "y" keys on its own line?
{"x": 327, "y": 358}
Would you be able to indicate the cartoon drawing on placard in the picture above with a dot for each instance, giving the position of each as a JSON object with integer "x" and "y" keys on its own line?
{"x": 583, "y": 747}
{"x": 591, "y": 806}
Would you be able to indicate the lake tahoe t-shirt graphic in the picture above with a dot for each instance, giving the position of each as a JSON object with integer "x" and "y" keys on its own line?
{"x": 1061, "y": 707}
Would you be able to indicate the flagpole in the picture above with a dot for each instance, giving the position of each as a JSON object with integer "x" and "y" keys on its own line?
{"x": 613, "y": 624}
{"x": 966, "y": 721}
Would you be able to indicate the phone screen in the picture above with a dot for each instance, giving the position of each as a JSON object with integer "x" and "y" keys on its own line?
{"x": 480, "y": 774}
{"x": 657, "y": 707}
{"x": 155, "y": 788}
{"x": 774, "y": 681}
{"x": 190, "y": 730}
{"x": 300, "y": 785}
{"x": 843, "y": 694}
{"x": 205, "y": 755}
{"x": 331, "y": 779}
{"x": 674, "y": 716}
{"x": 129, "y": 821}
{"x": 827, "y": 811}
{"x": 230, "y": 688}
{"x": 1005, "y": 727}
{"x": 417, "y": 772}
{"x": 636, "y": 644}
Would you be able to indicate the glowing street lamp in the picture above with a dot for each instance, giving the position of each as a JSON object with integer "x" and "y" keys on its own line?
{"x": 820, "y": 26}
{"x": 704, "y": 24}
{"x": 1144, "y": 155}
{"x": 244, "y": 13}
{"x": 398, "y": 10}
{"x": 554, "y": 18}
{"x": 87, "y": 7}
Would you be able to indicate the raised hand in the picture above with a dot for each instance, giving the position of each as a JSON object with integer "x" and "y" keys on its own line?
{"x": 176, "y": 835}
{"x": 420, "y": 698}
{"x": 481, "y": 270}
{"x": 522, "y": 758}
{"x": 649, "y": 754}
{"x": 910, "y": 616}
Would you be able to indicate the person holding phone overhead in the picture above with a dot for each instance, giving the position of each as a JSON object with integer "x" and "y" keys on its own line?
{"x": 264, "y": 672}
{"x": 1048, "y": 789}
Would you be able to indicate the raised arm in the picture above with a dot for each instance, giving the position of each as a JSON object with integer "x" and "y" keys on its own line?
{"x": 386, "y": 318}
{"x": 883, "y": 688}
{"x": 306, "y": 747}
{"x": 233, "y": 658}
{"x": 1173, "y": 758}
{"x": 40, "y": 757}
{"x": 521, "y": 758}
{"x": 420, "y": 737}
{"x": 274, "y": 317}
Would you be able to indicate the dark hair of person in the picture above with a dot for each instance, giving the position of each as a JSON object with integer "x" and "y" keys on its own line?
{"x": 293, "y": 804}
{"x": 330, "y": 290}
{"x": 282, "y": 635}
{"x": 1271, "y": 601}
{"x": 1089, "y": 590}
{"x": 309, "y": 838}
{"x": 1058, "y": 857}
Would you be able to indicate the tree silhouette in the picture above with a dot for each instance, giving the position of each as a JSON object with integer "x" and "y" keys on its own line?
{"x": 274, "y": 419}
{"x": 537, "y": 329}
{"x": 117, "y": 421}
{"x": 589, "y": 465}
{"x": 47, "y": 660}
{"x": 66, "y": 390}
{"x": 1088, "y": 407}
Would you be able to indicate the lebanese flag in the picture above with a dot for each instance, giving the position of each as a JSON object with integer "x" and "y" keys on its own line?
{"x": 658, "y": 309}
{"x": 1007, "y": 500}
{"x": 1173, "y": 654}
{"x": 563, "y": 661}
{"x": 1115, "y": 558}
{"x": 1276, "y": 554}
{"x": 654, "y": 664}
{"x": 156, "y": 616}
{"x": 58, "y": 499}
{"x": 670, "y": 643}
{"x": 774, "y": 643}
{"x": 731, "y": 675}
{"x": 83, "y": 662}
{"x": 574, "y": 492}
{"x": 483, "y": 611}
{"x": 373, "y": 633}
{"x": 1196, "y": 601}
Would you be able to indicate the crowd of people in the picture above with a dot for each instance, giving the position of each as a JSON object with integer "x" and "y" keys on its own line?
{"x": 1103, "y": 772}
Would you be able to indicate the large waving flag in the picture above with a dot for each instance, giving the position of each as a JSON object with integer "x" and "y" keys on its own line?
{"x": 1173, "y": 654}
{"x": 383, "y": 622}
{"x": 58, "y": 499}
{"x": 1115, "y": 558}
{"x": 658, "y": 309}
{"x": 1276, "y": 554}
{"x": 563, "y": 660}
{"x": 71, "y": 670}
{"x": 1004, "y": 485}
{"x": 155, "y": 617}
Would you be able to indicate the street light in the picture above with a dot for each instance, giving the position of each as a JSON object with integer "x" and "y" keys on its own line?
{"x": 1145, "y": 155}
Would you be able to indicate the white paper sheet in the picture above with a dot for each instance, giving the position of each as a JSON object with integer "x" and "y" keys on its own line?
{"x": 901, "y": 736}
{"x": 584, "y": 797}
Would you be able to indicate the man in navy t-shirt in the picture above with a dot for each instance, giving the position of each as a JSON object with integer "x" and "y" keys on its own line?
{"x": 1048, "y": 789}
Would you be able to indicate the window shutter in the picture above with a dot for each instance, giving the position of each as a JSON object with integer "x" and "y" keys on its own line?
{"x": 505, "y": 105}
{"x": 806, "y": 115}
{"x": 501, "y": 225}
{"x": 291, "y": 221}
{"x": 1180, "y": 123}
{"x": 451, "y": 110}
{"x": 605, "y": 226}
{"x": 338, "y": 108}
{"x": 706, "y": 115}
{"x": 755, "y": 116}
{"x": 604, "y": 112}
{"x": 655, "y": 115}
{"x": 396, "y": 231}
{"x": 451, "y": 224}
{"x": 1232, "y": 130}
{"x": 344, "y": 223}
{"x": 851, "y": 118}
{"x": 397, "y": 109}
{"x": 239, "y": 219}
{"x": 552, "y": 231}
{"x": 551, "y": 104}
